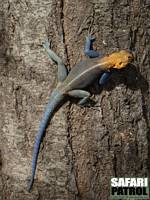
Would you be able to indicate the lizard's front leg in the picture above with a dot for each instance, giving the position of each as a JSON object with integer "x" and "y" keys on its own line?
{"x": 88, "y": 51}
{"x": 84, "y": 95}
{"x": 62, "y": 70}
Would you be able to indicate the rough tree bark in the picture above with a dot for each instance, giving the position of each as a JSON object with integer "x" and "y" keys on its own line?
{"x": 83, "y": 147}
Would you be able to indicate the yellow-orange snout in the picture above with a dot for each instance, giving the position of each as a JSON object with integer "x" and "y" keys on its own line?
{"x": 120, "y": 59}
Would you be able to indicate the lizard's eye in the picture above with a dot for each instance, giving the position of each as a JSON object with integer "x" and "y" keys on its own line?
{"x": 130, "y": 57}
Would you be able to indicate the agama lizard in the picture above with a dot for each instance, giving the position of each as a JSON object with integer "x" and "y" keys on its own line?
{"x": 72, "y": 84}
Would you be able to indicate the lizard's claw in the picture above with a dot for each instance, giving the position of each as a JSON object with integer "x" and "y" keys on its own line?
{"x": 90, "y": 37}
{"x": 46, "y": 44}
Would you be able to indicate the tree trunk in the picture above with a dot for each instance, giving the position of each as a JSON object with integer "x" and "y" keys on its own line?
{"x": 83, "y": 147}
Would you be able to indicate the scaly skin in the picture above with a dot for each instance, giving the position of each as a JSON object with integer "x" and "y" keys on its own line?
{"x": 80, "y": 76}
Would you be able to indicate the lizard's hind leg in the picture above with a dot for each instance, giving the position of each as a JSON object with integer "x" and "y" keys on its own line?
{"x": 84, "y": 95}
{"x": 62, "y": 70}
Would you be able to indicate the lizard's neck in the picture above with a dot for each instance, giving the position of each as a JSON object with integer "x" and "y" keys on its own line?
{"x": 106, "y": 63}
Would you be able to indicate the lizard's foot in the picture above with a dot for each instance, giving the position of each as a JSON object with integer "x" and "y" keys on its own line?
{"x": 90, "y": 38}
{"x": 87, "y": 103}
{"x": 46, "y": 44}
{"x": 83, "y": 101}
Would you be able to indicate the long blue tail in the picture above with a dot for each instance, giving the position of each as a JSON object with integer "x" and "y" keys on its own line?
{"x": 55, "y": 99}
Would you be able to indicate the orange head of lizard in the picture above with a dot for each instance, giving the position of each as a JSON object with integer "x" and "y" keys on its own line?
{"x": 120, "y": 59}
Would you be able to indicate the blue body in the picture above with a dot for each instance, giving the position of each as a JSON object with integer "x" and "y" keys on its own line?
{"x": 57, "y": 97}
